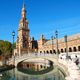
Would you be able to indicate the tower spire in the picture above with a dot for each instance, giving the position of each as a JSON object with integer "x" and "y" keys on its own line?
{"x": 24, "y": 10}
{"x": 24, "y": 6}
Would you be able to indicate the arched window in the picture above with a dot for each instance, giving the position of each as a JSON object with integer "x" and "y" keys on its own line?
{"x": 70, "y": 49}
{"x": 78, "y": 48}
{"x": 74, "y": 49}
{"x": 54, "y": 51}
{"x": 62, "y": 51}
{"x": 40, "y": 51}
{"x": 51, "y": 51}
{"x": 44, "y": 51}
{"x": 47, "y": 51}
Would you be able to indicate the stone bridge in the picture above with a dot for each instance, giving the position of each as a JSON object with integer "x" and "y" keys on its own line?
{"x": 51, "y": 57}
{"x": 67, "y": 65}
{"x": 17, "y": 59}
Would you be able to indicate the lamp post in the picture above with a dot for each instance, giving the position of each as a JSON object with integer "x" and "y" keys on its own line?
{"x": 52, "y": 42}
{"x": 65, "y": 37}
{"x": 56, "y": 33}
{"x": 13, "y": 34}
{"x": 57, "y": 43}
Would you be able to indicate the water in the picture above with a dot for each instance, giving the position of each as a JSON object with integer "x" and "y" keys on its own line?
{"x": 14, "y": 74}
{"x": 37, "y": 64}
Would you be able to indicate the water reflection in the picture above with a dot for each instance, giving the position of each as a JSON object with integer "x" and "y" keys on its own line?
{"x": 36, "y": 64}
{"x": 43, "y": 65}
{"x": 17, "y": 75}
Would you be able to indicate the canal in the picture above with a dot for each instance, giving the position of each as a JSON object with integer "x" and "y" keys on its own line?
{"x": 53, "y": 72}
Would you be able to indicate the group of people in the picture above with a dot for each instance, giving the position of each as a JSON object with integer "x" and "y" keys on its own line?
{"x": 76, "y": 61}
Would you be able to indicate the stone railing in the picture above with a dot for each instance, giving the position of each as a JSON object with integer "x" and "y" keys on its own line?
{"x": 30, "y": 55}
{"x": 72, "y": 69}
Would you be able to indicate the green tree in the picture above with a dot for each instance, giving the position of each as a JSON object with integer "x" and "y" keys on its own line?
{"x": 6, "y": 48}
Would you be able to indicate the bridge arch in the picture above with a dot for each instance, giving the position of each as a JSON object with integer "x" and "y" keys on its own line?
{"x": 51, "y": 58}
{"x": 62, "y": 68}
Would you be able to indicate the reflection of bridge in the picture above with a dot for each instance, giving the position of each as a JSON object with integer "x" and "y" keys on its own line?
{"x": 20, "y": 58}
{"x": 67, "y": 65}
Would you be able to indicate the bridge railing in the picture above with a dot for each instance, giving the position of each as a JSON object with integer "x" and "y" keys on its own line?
{"x": 32, "y": 55}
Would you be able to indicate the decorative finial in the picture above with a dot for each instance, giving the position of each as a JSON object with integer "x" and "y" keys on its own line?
{"x": 24, "y": 6}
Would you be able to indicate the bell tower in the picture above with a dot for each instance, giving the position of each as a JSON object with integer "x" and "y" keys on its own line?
{"x": 22, "y": 44}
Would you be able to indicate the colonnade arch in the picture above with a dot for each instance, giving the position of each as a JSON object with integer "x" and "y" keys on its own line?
{"x": 51, "y": 51}
{"x": 54, "y": 51}
{"x": 74, "y": 49}
{"x": 70, "y": 49}
{"x": 47, "y": 51}
{"x": 78, "y": 48}
{"x": 62, "y": 50}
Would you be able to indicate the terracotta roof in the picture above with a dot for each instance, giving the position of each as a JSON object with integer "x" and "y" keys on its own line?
{"x": 69, "y": 38}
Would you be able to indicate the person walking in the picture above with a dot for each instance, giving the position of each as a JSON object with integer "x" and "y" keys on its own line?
{"x": 76, "y": 60}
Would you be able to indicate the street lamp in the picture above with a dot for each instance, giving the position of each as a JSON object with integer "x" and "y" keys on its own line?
{"x": 65, "y": 37}
{"x": 57, "y": 43}
{"x": 52, "y": 37}
{"x": 56, "y": 33}
{"x": 13, "y": 34}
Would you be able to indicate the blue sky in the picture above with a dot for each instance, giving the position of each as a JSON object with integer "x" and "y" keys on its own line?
{"x": 44, "y": 16}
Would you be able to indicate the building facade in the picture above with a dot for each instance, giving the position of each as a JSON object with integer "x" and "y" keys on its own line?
{"x": 50, "y": 46}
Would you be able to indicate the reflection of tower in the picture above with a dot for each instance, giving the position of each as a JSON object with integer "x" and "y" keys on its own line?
{"x": 22, "y": 44}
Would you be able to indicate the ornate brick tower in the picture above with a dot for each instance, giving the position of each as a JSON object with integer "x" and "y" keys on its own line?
{"x": 22, "y": 44}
